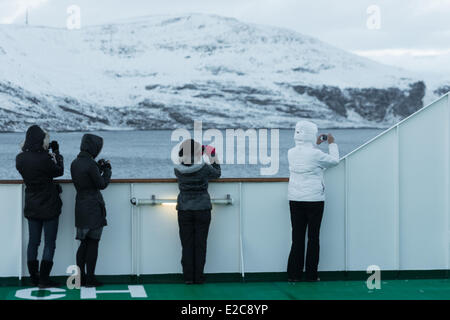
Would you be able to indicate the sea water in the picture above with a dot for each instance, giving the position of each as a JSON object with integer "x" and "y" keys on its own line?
{"x": 146, "y": 154}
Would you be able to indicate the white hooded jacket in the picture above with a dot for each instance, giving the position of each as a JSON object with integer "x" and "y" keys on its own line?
{"x": 306, "y": 164}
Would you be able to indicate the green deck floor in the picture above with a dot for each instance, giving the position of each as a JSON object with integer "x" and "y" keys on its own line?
{"x": 352, "y": 290}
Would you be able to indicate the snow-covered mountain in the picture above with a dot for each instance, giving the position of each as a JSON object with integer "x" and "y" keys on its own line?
{"x": 167, "y": 71}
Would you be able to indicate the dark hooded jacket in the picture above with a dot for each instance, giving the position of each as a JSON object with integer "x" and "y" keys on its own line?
{"x": 89, "y": 179}
{"x": 193, "y": 184}
{"x": 38, "y": 168}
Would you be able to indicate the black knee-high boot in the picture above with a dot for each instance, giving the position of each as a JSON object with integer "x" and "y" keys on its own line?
{"x": 81, "y": 260}
{"x": 91, "y": 262}
{"x": 44, "y": 275}
{"x": 33, "y": 269}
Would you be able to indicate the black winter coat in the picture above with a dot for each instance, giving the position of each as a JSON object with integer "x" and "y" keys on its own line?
{"x": 89, "y": 179}
{"x": 193, "y": 184}
{"x": 38, "y": 168}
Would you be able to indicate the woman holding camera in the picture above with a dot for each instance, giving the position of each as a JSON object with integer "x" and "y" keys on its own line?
{"x": 194, "y": 206}
{"x": 89, "y": 177}
{"x": 306, "y": 194}
{"x": 43, "y": 205}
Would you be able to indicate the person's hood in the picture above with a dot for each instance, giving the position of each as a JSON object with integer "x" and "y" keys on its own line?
{"x": 305, "y": 132}
{"x": 184, "y": 169}
{"x": 91, "y": 144}
{"x": 36, "y": 139}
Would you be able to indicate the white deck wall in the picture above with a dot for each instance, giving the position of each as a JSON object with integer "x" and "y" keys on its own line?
{"x": 387, "y": 205}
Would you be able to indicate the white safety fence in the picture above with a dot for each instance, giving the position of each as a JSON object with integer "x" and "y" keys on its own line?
{"x": 387, "y": 205}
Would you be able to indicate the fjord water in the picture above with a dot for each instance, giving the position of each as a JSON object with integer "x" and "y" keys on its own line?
{"x": 146, "y": 154}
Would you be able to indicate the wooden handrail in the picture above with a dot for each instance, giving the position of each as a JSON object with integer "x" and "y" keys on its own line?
{"x": 168, "y": 180}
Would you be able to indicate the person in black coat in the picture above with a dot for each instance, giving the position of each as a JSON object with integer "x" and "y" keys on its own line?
{"x": 43, "y": 205}
{"x": 89, "y": 177}
{"x": 194, "y": 207}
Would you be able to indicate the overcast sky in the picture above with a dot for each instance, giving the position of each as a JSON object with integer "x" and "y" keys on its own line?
{"x": 414, "y": 34}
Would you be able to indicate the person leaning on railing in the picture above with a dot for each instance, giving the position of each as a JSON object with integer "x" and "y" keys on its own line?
{"x": 43, "y": 205}
{"x": 306, "y": 195}
{"x": 194, "y": 206}
{"x": 89, "y": 177}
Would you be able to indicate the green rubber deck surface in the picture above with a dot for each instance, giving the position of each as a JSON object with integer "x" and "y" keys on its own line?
{"x": 351, "y": 290}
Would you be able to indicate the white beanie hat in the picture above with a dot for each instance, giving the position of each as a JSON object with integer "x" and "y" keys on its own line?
{"x": 305, "y": 131}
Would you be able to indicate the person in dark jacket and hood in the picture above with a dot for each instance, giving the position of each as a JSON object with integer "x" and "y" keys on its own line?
{"x": 194, "y": 207}
{"x": 89, "y": 177}
{"x": 43, "y": 205}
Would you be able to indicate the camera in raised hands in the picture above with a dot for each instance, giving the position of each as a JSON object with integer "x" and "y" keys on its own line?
{"x": 54, "y": 146}
{"x": 104, "y": 164}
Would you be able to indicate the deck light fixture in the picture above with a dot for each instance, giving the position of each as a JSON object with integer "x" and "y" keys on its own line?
{"x": 155, "y": 201}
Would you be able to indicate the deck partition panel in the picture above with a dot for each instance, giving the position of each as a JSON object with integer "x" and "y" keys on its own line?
{"x": 333, "y": 228}
{"x": 115, "y": 249}
{"x": 266, "y": 226}
{"x": 223, "y": 254}
{"x": 159, "y": 251}
{"x": 10, "y": 230}
{"x": 157, "y": 243}
{"x": 424, "y": 189}
{"x": 371, "y": 210}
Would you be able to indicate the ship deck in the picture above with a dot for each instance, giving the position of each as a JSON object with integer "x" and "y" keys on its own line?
{"x": 417, "y": 289}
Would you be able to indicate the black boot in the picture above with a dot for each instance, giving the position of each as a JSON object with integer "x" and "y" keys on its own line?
{"x": 82, "y": 275}
{"x": 92, "y": 282}
{"x": 33, "y": 269}
{"x": 199, "y": 279}
{"x": 44, "y": 275}
{"x": 82, "y": 278}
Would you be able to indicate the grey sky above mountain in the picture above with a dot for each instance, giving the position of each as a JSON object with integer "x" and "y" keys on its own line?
{"x": 414, "y": 34}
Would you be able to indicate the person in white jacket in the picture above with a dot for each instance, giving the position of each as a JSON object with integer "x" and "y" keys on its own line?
{"x": 306, "y": 195}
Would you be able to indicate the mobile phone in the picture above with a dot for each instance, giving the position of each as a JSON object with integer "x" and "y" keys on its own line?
{"x": 210, "y": 150}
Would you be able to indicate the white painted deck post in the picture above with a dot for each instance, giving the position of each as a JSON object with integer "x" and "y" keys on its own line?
{"x": 397, "y": 195}
{"x": 448, "y": 182}
{"x": 241, "y": 245}
{"x": 346, "y": 182}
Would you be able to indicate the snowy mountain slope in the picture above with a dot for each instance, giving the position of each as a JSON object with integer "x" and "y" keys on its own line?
{"x": 167, "y": 71}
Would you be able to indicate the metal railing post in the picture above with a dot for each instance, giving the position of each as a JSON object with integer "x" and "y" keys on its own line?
{"x": 346, "y": 183}
{"x": 448, "y": 185}
{"x": 133, "y": 240}
{"x": 21, "y": 233}
{"x": 397, "y": 196}
{"x": 241, "y": 244}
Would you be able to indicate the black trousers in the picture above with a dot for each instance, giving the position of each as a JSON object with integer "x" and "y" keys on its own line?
{"x": 35, "y": 227}
{"x": 194, "y": 227}
{"x": 305, "y": 215}
{"x": 87, "y": 254}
